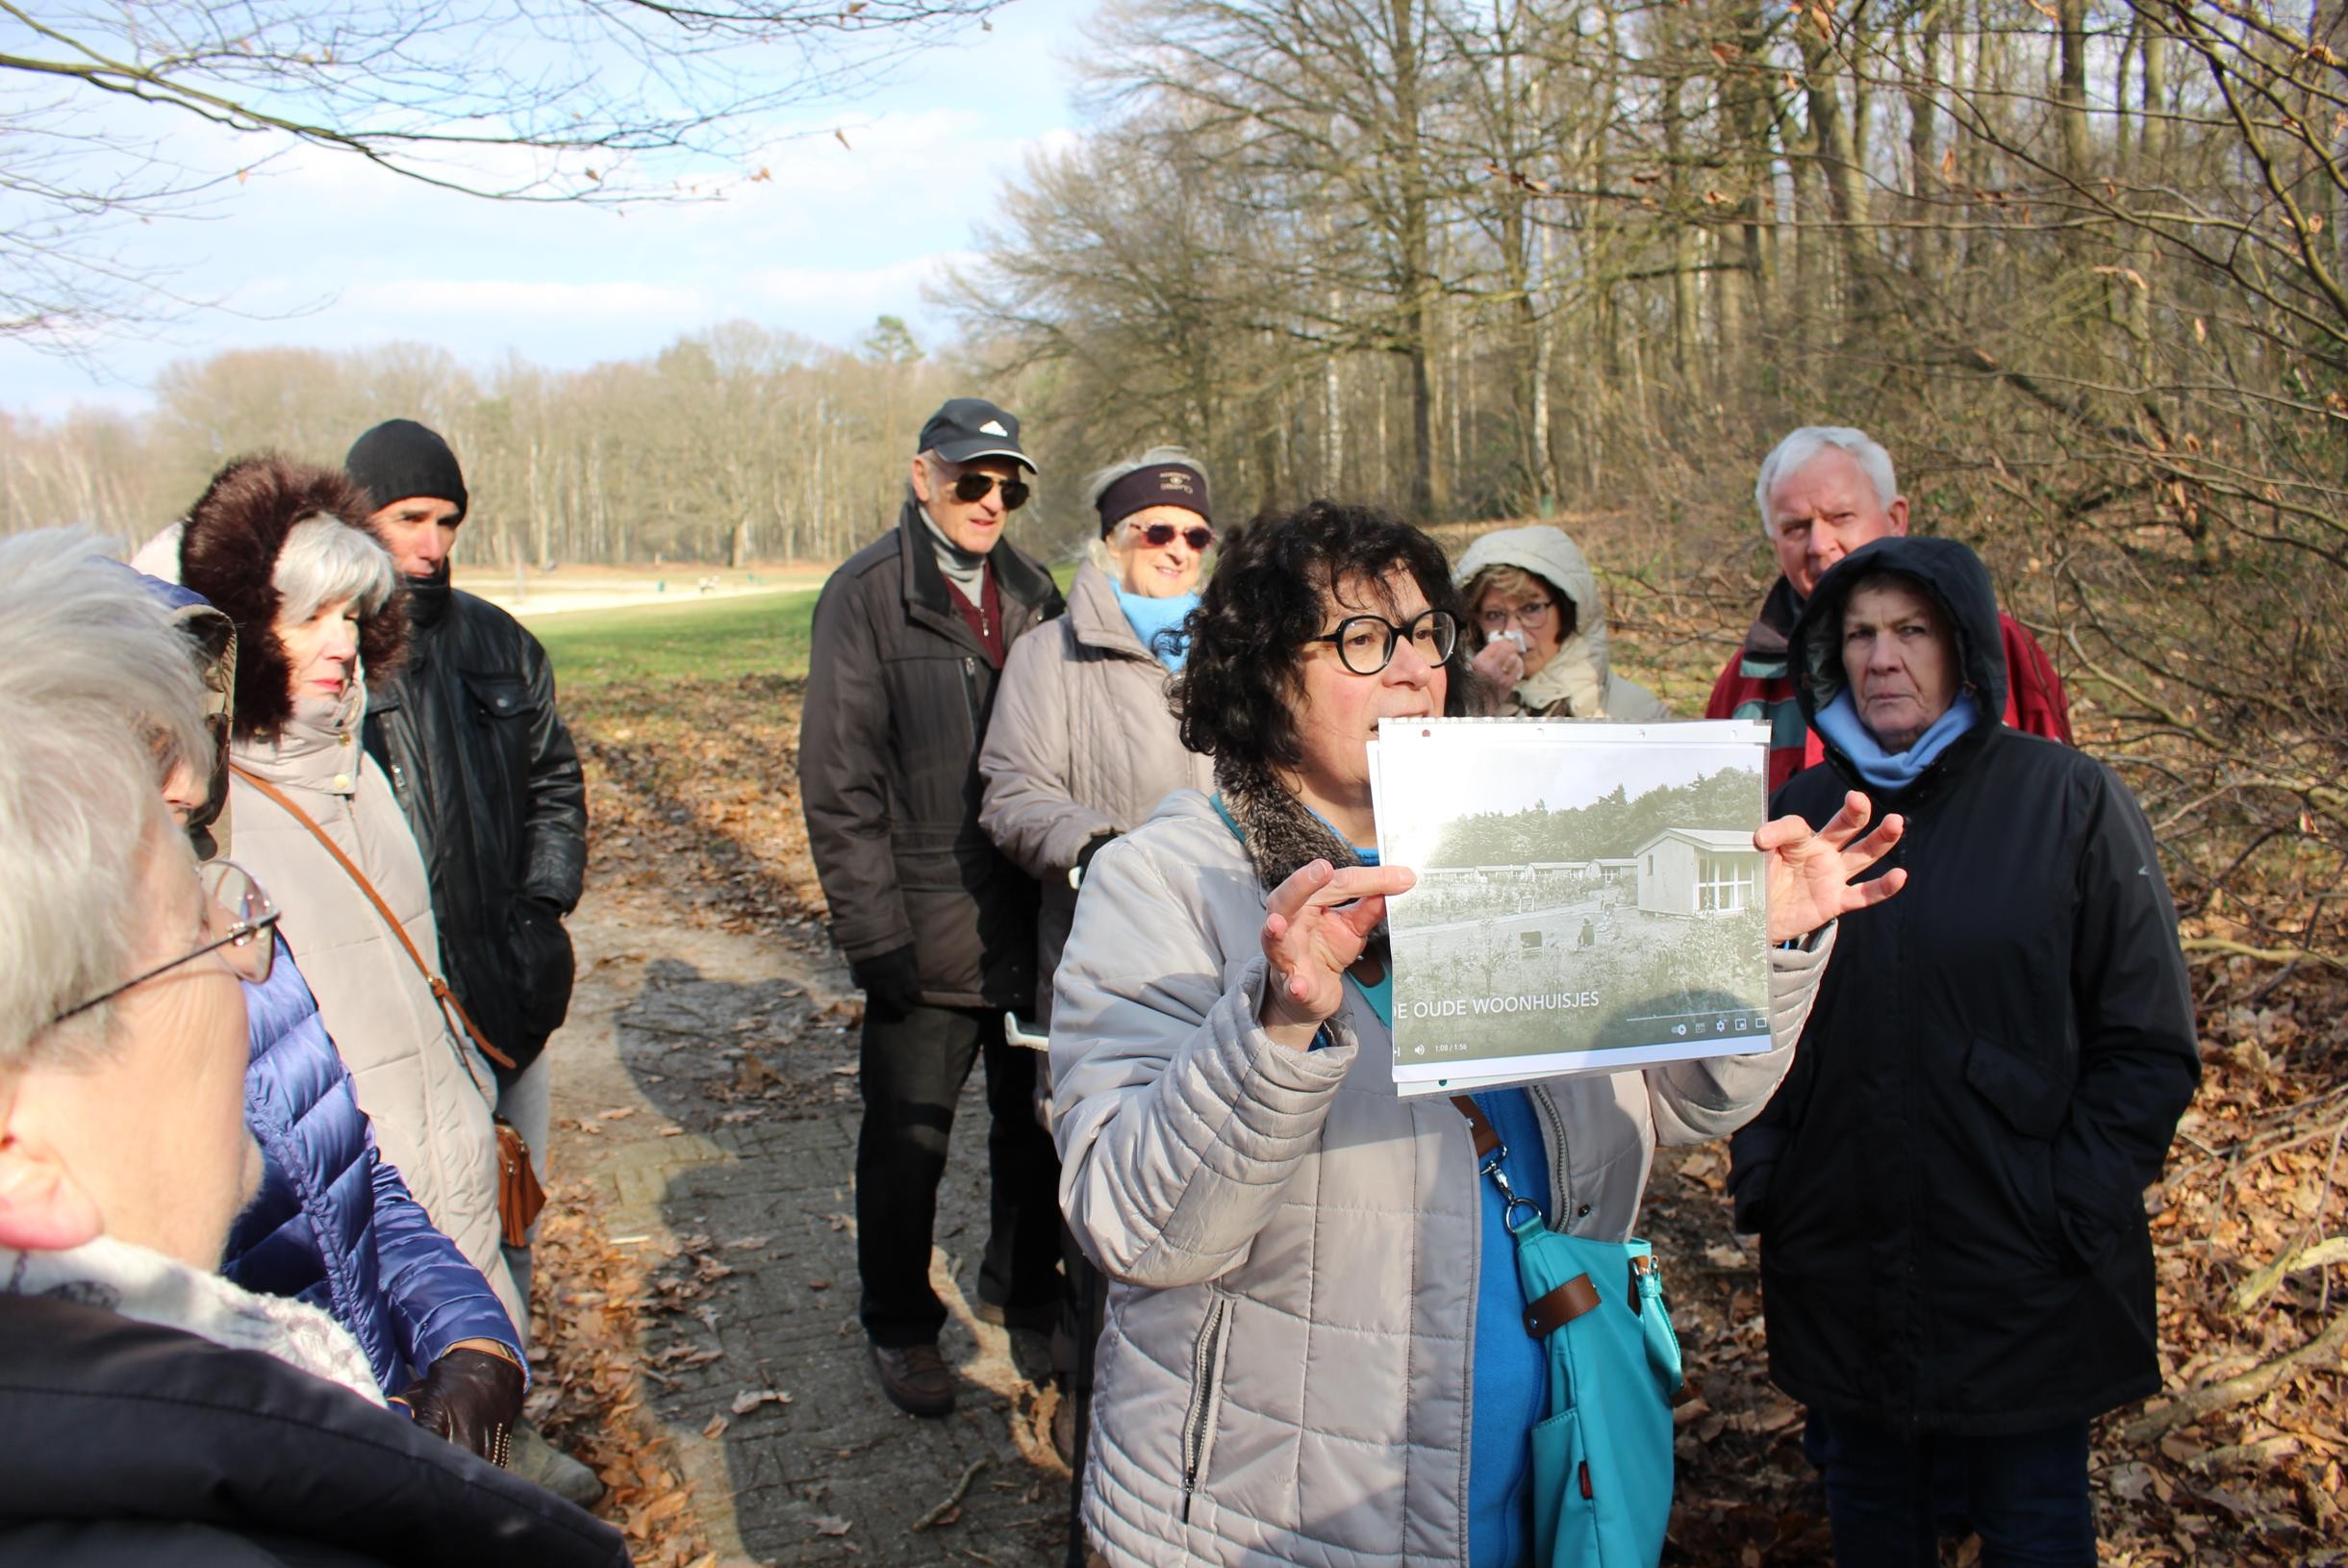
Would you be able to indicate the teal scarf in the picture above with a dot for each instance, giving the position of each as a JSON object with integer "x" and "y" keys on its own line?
{"x": 1892, "y": 771}
{"x": 1158, "y": 623}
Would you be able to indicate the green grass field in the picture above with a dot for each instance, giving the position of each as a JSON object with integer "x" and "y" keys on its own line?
{"x": 599, "y": 654}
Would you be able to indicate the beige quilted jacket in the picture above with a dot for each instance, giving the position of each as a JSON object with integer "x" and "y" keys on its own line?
{"x": 1082, "y": 742}
{"x": 423, "y": 1088}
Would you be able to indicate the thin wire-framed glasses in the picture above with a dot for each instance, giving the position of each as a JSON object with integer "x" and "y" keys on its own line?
{"x": 1366, "y": 643}
{"x": 1532, "y": 615}
{"x": 237, "y": 915}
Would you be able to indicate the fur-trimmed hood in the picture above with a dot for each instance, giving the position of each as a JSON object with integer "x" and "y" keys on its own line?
{"x": 228, "y": 553}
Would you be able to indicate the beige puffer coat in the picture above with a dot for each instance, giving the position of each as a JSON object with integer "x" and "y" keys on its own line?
{"x": 1082, "y": 743}
{"x": 423, "y": 1088}
{"x": 1579, "y": 681}
{"x": 1284, "y": 1376}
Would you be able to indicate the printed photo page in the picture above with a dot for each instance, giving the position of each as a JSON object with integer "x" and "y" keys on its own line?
{"x": 1588, "y": 895}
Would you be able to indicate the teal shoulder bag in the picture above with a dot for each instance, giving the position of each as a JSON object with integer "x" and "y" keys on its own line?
{"x": 1602, "y": 1458}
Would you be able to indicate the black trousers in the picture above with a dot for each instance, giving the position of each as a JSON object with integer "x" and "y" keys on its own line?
{"x": 913, "y": 1069}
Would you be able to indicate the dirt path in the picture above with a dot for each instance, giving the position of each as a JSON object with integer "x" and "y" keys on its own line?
{"x": 702, "y": 1251}
{"x": 705, "y": 1135}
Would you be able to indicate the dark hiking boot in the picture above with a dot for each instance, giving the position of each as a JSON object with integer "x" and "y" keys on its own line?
{"x": 914, "y": 1378}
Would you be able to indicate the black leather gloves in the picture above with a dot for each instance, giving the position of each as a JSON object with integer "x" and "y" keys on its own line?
{"x": 1084, "y": 856}
{"x": 891, "y": 981}
{"x": 473, "y": 1399}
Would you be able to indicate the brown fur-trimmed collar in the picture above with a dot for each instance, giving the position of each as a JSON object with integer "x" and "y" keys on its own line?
{"x": 1282, "y": 835}
{"x": 1281, "y": 832}
{"x": 228, "y": 553}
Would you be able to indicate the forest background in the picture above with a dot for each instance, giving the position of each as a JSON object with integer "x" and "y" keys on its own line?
{"x": 2080, "y": 264}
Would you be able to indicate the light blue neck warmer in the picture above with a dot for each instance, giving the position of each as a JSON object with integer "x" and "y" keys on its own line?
{"x": 1149, "y": 618}
{"x": 1892, "y": 771}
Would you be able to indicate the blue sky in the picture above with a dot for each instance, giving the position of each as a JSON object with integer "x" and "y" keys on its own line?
{"x": 330, "y": 253}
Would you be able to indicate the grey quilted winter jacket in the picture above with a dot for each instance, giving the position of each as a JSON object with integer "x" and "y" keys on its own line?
{"x": 1082, "y": 743}
{"x": 1284, "y": 1376}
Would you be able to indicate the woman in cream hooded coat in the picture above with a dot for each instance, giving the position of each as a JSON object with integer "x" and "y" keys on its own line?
{"x": 1535, "y": 583}
{"x": 282, "y": 549}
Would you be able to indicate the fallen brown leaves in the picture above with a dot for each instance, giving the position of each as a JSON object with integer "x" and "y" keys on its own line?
{"x": 591, "y": 1393}
{"x": 693, "y": 789}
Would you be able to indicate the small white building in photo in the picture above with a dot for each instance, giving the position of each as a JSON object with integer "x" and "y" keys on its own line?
{"x": 1699, "y": 870}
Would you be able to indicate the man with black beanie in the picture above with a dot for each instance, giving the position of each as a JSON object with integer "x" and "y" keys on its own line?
{"x": 939, "y": 927}
{"x": 490, "y": 781}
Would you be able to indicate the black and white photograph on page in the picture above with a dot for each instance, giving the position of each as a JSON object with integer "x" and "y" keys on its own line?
{"x": 1588, "y": 895}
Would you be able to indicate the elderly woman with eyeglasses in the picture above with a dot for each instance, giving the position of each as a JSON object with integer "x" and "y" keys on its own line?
{"x": 1082, "y": 744}
{"x": 1539, "y": 629}
{"x": 1313, "y": 1350}
{"x": 333, "y": 1225}
{"x": 151, "y": 1410}
{"x": 282, "y": 548}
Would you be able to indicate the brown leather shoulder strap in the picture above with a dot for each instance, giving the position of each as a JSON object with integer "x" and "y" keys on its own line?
{"x": 1487, "y": 1140}
{"x": 1560, "y": 1306}
{"x": 441, "y": 992}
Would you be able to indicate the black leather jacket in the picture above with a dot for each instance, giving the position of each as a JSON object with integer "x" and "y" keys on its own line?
{"x": 490, "y": 781}
{"x": 133, "y": 1444}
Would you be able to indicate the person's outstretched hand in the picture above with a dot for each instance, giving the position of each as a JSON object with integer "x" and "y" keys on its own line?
{"x": 1811, "y": 874}
{"x": 1315, "y": 927}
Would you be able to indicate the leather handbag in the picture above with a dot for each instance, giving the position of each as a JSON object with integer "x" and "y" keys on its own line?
{"x": 520, "y": 1198}
{"x": 1601, "y": 1457}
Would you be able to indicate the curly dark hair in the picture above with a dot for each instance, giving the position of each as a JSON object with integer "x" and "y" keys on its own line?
{"x": 1238, "y": 687}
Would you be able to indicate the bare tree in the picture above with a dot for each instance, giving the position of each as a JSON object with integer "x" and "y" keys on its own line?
{"x": 519, "y": 100}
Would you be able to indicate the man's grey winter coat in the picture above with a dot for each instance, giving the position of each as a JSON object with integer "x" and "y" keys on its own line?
{"x": 898, "y": 693}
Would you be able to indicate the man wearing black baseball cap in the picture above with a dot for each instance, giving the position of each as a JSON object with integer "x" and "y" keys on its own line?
{"x": 938, "y": 927}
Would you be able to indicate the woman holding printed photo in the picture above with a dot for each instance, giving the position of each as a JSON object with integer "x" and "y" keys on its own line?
{"x": 1314, "y": 1348}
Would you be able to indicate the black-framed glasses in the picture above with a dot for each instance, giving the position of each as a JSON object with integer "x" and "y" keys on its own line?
{"x": 237, "y": 916}
{"x": 973, "y": 485}
{"x": 1366, "y": 643}
{"x": 1533, "y": 617}
{"x": 1158, "y": 535}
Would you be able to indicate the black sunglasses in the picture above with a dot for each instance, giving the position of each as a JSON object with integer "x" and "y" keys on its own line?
{"x": 973, "y": 485}
{"x": 1158, "y": 535}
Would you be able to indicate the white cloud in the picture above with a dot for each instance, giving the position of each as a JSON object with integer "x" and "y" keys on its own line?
{"x": 870, "y": 290}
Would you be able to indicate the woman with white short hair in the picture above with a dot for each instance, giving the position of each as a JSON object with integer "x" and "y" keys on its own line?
{"x": 282, "y": 548}
{"x": 152, "y": 1411}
